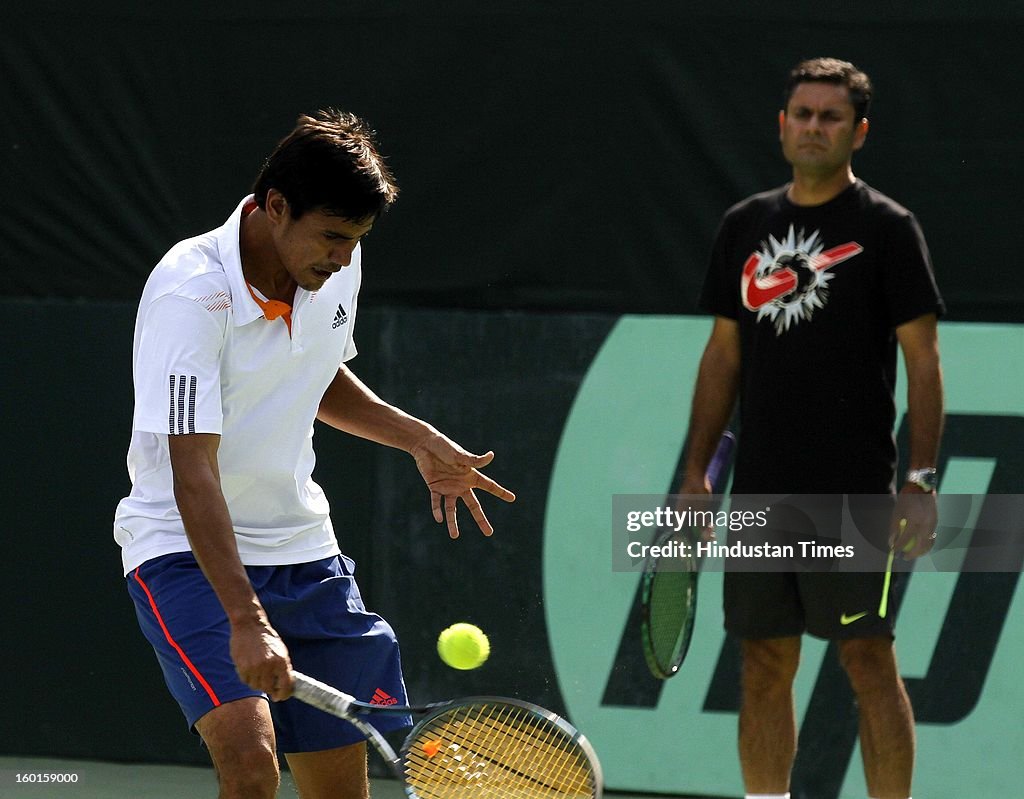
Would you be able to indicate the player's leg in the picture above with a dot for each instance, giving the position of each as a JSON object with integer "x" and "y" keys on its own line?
{"x": 886, "y": 719}
{"x": 764, "y": 611}
{"x": 240, "y": 738}
{"x": 767, "y": 734}
{"x": 317, "y": 609}
{"x": 338, "y": 773}
{"x": 183, "y": 620}
{"x": 845, "y": 608}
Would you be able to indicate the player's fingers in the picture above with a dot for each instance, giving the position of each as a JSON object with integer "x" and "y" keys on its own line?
{"x": 476, "y": 461}
{"x": 280, "y": 687}
{"x": 898, "y": 535}
{"x": 272, "y": 677}
{"x": 920, "y": 544}
{"x": 477, "y": 511}
{"x": 913, "y": 538}
{"x": 451, "y": 513}
{"x": 493, "y": 487}
{"x": 462, "y": 457}
{"x": 435, "y": 507}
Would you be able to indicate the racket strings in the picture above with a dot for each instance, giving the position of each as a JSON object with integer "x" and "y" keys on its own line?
{"x": 555, "y": 748}
{"x": 501, "y": 754}
{"x": 669, "y": 610}
{"x": 496, "y": 751}
{"x": 669, "y": 593}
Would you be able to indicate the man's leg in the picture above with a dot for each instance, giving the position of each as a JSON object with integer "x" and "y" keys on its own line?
{"x": 886, "y": 718}
{"x": 317, "y": 609}
{"x": 240, "y": 737}
{"x": 331, "y": 774}
{"x": 767, "y": 717}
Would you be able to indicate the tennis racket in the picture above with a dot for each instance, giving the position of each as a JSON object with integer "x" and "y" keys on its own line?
{"x": 475, "y": 747}
{"x": 668, "y": 592}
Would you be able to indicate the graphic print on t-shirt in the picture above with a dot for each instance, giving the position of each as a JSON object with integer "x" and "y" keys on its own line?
{"x": 787, "y": 280}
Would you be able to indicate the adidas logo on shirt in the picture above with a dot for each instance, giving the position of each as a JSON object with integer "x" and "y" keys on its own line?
{"x": 340, "y": 317}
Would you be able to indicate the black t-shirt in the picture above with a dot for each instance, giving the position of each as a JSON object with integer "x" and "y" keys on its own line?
{"x": 818, "y": 292}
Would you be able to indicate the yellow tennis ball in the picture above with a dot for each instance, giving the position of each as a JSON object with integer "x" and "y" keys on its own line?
{"x": 463, "y": 646}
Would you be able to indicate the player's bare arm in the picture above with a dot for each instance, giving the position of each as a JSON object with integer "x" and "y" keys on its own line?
{"x": 919, "y": 343}
{"x": 450, "y": 472}
{"x": 260, "y": 656}
{"x": 713, "y": 398}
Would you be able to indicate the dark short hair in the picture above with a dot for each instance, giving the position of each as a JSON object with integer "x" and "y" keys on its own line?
{"x": 329, "y": 161}
{"x": 832, "y": 70}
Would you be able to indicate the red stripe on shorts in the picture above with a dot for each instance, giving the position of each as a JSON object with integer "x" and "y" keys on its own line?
{"x": 167, "y": 634}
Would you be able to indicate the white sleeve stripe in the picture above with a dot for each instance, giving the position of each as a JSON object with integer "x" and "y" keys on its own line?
{"x": 170, "y": 413}
{"x": 192, "y": 404}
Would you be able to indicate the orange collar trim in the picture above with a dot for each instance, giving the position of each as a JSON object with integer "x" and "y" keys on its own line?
{"x": 272, "y": 309}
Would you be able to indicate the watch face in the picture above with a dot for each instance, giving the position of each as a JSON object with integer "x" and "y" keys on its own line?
{"x": 925, "y": 479}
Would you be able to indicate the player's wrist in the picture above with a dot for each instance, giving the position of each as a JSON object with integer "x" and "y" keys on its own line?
{"x": 418, "y": 437}
{"x": 248, "y": 615}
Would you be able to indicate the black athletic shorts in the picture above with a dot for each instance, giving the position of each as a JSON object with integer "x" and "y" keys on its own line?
{"x": 831, "y": 604}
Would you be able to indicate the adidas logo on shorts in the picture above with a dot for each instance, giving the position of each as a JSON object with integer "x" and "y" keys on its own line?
{"x": 382, "y": 698}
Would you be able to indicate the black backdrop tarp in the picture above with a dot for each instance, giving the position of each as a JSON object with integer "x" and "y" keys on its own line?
{"x": 552, "y": 156}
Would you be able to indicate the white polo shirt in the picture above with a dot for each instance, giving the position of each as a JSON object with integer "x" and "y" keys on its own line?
{"x": 207, "y": 360}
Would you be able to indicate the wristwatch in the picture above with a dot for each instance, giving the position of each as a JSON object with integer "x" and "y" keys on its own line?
{"x": 925, "y": 479}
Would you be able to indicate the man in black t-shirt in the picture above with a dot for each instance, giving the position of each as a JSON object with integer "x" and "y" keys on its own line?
{"x": 813, "y": 287}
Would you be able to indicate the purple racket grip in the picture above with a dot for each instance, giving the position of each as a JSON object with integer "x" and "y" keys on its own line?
{"x": 720, "y": 460}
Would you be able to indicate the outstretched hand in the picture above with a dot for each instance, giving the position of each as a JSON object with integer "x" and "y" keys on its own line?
{"x": 451, "y": 473}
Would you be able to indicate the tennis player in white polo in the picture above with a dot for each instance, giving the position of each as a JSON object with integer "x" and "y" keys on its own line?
{"x": 229, "y": 554}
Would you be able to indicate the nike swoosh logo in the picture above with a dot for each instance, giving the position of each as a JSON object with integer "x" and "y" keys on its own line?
{"x": 844, "y": 619}
{"x": 758, "y": 292}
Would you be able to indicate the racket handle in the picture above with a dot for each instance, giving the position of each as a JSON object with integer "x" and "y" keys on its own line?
{"x": 337, "y": 703}
{"x": 723, "y": 453}
{"x": 321, "y": 696}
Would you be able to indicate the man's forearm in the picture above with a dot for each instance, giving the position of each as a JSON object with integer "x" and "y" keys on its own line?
{"x": 713, "y": 398}
{"x": 207, "y": 521}
{"x": 925, "y": 410}
{"x": 349, "y": 405}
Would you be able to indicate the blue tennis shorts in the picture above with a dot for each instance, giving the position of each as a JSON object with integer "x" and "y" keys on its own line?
{"x": 315, "y": 608}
